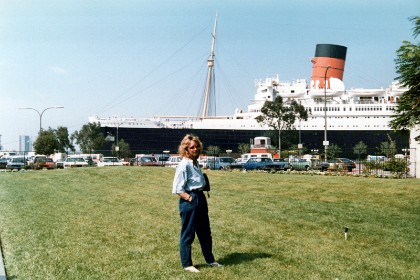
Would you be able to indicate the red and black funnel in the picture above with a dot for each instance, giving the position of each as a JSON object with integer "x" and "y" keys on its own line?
{"x": 327, "y": 54}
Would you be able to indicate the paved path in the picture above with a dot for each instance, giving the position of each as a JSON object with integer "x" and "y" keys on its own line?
{"x": 2, "y": 271}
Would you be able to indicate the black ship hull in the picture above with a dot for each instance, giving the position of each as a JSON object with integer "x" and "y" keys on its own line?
{"x": 157, "y": 140}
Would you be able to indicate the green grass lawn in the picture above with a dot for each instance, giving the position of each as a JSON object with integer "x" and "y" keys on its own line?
{"x": 123, "y": 223}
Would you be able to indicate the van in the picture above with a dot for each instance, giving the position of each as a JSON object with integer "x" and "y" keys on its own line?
{"x": 246, "y": 157}
{"x": 371, "y": 158}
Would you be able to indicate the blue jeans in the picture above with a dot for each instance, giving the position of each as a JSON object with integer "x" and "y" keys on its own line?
{"x": 195, "y": 220}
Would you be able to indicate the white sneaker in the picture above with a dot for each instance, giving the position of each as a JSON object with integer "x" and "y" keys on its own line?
{"x": 191, "y": 269}
{"x": 215, "y": 264}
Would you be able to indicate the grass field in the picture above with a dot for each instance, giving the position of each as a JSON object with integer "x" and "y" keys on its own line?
{"x": 123, "y": 223}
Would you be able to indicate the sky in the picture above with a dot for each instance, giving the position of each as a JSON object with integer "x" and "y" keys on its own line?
{"x": 131, "y": 58}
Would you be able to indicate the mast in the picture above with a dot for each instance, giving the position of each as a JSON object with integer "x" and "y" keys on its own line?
{"x": 210, "y": 64}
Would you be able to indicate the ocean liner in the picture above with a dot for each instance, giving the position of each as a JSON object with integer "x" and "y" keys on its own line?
{"x": 350, "y": 115}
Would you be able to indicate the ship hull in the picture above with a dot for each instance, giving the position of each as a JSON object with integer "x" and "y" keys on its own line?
{"x": 157, "y": 140}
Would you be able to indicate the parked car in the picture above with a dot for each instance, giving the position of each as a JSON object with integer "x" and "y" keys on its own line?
{"x": 72, "y": 162}
{"x": 3, "y": 163}
{"x": 162, "y": 158}
{"x": 110, "y": 161}
{"x": 173, "y": 161}
{"x": 341, "y": 164}
{"x": 147, "y": 161}
{"x": 300, "y": 164}
{"x": 46, "y": 163}
{"x": 16, "y": 163}
{"x": 49, "y": 163}
{"x": 132, "y": 161}
{"x": 219, "y": 163}
{"x": 260, "y": 164}
{"x": 320, "y": 165}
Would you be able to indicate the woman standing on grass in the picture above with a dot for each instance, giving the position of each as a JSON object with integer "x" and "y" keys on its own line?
{"x": 188, "y": 185}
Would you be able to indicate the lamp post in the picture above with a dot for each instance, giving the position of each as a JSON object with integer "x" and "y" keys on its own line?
{"x": 405, "y": 150}
{"x": 326, "y": 143}
{"x": 117, "y": 124}
{"x": 300, "y": 146}
{"x": 41, "y": 113}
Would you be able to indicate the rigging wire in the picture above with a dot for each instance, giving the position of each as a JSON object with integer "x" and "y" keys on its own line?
{"x": 110, "y": 104}
{"x": 155, "y": 83}
{"x": 181, "y": 94}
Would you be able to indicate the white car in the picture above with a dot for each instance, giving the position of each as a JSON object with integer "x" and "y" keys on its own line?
{"x": 219, "y": 163}
{"x": 15, "y": 163}
{"x": 110, "y": 161}
{"x": 74, "y": 162}
{"x": 173, "y": 161}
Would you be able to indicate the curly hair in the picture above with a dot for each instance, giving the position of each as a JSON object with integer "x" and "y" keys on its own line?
{"x": 186, "y": 141}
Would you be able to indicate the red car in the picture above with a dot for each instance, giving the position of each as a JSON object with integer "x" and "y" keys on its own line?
{"x": 44, "y": 163}
{"x": 147, "y": 161}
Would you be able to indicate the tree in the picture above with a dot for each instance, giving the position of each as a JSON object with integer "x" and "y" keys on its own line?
{"x": 279, "y": 116}
{"x": 359, "y": 149}
{"x": 213, "y": 150}
{"x": 388, "y": 148}
{"x": 124, "y": 149}
{"x": 407, "y": 113}
{"x": 244, "y": 148}
{"x": 333, "y": 151}
{"x": 63, "y": 140}
{"x": 46, "y": 143}
{"x": 53, "y": 140}
{"x": 89, "y": 138}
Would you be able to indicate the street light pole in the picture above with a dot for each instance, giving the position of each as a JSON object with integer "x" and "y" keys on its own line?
{"x": 41, "y": 113}
{"x": 326, "y": 143}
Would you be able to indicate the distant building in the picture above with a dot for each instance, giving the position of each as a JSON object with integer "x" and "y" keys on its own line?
{"x": 25, "y": 143}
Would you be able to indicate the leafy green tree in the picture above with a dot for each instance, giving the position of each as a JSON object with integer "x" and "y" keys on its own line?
{"x": 388, "y": 148}
{"x": 280, "y": 116}
{"x": 46, "y": 143}
{"x": 213, "y": 150}
{"x": 360, "y": 149}
{"x": 333, "y": 151}
{"x": 244, "y": 148}
{"x": 89, "y": 138}
{"x": 63, "y": 140}
{"x": 53, "y": 140}
{"x": 407, "y": 114}
{"x": 123, "y": 149}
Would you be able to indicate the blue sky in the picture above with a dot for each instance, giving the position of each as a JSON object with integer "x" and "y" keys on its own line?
{"x": 145, "y": 58}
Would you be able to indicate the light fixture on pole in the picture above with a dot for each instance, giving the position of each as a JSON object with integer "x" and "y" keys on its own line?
{"x": 41, "y": 113}
{"x": 300, "y": 146}
{"x": 325, "y": 143}
{"x": 117, "y": 124}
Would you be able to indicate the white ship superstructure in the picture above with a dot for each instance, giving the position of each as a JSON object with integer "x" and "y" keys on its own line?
{"x": 354, "y": 109}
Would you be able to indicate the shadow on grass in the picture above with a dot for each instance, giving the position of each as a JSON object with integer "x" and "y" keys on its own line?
{"x": 237, "y": 258}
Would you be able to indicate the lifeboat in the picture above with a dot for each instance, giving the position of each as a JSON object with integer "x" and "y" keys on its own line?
{"x": 362, "y": 92}
{"x": 396, "y": 89}
{"x": 292, "y": 93}
{"x": 329, "y": 93}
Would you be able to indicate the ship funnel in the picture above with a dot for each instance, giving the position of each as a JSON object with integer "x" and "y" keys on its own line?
{"x": 326, "y": 55}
